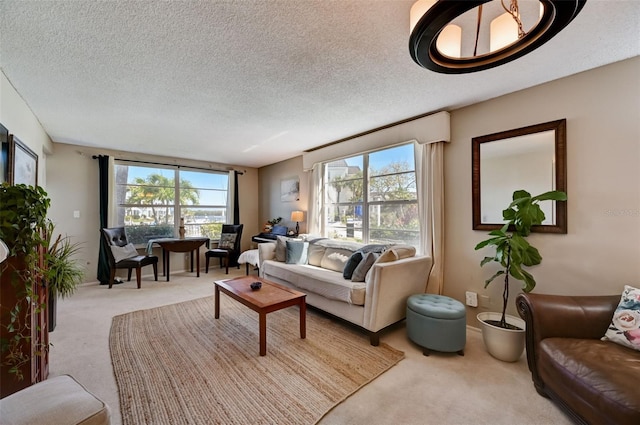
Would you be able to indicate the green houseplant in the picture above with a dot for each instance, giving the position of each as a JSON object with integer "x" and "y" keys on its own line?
{"x": 513, "y": 252}
{"x": 62, "y": 272}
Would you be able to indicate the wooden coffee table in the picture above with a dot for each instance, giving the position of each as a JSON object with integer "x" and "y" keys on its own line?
{"x": 270, "y": 297}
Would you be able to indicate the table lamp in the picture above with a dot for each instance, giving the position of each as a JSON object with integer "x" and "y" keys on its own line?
{"x": 297, "y": 216}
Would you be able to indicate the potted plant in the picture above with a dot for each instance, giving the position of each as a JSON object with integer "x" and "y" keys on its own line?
{"x": 271, "y": 223}
{"x": 62, "y": 272}
{"x": 503, "y": 334}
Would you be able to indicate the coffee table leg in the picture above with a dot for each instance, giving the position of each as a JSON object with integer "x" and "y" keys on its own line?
{"x": 263, "y": 334}
{"x": 217, "y": 301}
{"x": 303, "y": 319}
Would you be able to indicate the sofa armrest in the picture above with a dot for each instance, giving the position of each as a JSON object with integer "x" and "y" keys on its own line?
{"x": 266, "y": 251}
{"x": 388, "y": 287}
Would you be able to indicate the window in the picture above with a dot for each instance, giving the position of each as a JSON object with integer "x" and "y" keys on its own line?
{"x": 151, "y": 200}
{"x": 372, "y": 198}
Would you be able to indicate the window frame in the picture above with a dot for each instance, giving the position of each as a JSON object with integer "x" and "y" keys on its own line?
{"x": 366, "y": 201}
{"x": 177, "y": 206}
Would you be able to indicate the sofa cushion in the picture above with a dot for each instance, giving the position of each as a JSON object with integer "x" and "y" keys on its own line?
{"x": 297, "y": 252}
{"x": 595, "y": 373}
{"x": 351, "y": 265}
{"x": 625, "y": 325}
{"x": 315, "y": 253}
{"x": 397, "y": 252}
{"x": 335, "y": 258}
{"x": 324, "y": 282}
{"x": 281, "y": 247}
{"x": 360, "y": 273}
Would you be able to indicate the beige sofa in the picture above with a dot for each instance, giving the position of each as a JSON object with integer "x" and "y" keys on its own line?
{"x": 377, "y": 302}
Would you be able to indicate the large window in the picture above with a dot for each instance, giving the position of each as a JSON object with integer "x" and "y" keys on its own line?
{"x": 151, "y": 200}
{"x": 372, "y": 198}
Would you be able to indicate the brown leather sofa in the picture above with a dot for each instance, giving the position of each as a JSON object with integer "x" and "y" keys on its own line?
{"x": 594, "y": 381}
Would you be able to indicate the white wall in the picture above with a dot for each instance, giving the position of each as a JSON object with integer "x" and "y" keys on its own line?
{"x": 600, "y": 253}
{"x": 18, "y": 118}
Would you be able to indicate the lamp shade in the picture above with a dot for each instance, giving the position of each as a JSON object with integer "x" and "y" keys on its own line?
{"x": 297, "y": 216}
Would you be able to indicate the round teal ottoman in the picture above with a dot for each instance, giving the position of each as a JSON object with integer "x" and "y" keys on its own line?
{"x": 436, "y": 322}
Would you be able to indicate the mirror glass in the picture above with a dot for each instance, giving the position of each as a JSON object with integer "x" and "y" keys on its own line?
{"x": 531, "y": 158}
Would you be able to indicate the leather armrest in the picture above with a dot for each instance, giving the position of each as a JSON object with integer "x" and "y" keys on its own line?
{"x": 566, "y": 316}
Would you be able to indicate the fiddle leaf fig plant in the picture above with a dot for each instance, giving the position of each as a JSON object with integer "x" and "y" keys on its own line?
{"x": 512, "y": 250}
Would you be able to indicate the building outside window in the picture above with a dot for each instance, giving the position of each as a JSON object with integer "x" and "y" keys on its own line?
{"x": 372, "y": 198}
{"x": 151, "y": 200}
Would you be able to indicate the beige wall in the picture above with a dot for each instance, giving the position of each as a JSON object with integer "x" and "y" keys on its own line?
{"x": 72, "y": 174}
{"x": 601, "y": 251}
{"x": 271, "y": 206}
{"x": 17, "y": 117}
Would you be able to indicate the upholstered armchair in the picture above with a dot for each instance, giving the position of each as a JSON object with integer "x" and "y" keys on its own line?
{"x": 228, "y": 249}
{"x": 122, "y": 255}
{"x": 593, "y": 381}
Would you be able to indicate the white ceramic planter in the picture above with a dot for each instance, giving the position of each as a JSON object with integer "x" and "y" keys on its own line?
{"x": 503, "y": 344}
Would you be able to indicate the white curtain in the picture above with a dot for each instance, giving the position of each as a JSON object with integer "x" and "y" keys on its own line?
{"x": 314, "y": 210}
{"x": 430, "y": 183}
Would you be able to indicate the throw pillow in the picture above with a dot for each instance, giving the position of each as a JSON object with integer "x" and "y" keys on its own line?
{"x": 227, "y": 240}
{"x": 404, "y": 251}
{"x": 123, "y": 252}
{"x": 625, "y": 325}
{"x": 387, "y": 256}
{"x": 351, "y": 265}
{"x": 297, "y": 252}
{"x": 281, "y": 248}
{"x": 360, "y": 272}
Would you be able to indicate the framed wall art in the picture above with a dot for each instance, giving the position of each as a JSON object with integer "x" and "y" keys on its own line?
{"x": 290, "y": 189}
{"x": 4, "y": 154}
{"x": 23, "y": 167}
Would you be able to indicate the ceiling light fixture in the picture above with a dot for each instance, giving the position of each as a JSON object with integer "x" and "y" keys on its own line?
{"x": 448, "y": 37}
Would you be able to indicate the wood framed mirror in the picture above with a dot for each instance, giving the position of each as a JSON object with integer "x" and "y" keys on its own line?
{"x": 532, "y": 158}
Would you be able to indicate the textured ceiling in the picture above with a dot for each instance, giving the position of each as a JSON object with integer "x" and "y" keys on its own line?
{"x": 256, "y": 82}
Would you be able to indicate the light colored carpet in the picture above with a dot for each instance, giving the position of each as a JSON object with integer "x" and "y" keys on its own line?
{"x": 442, "y": 389}
{"x": 177, "y": 364}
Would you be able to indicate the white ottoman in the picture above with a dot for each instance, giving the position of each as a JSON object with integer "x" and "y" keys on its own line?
{"x": 56, "y": 401}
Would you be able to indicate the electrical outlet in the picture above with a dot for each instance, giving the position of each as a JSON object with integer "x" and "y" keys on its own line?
{"x": 471, "y": 298}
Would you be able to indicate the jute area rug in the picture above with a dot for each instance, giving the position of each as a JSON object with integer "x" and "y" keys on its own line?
{"x": 176, "y": 364}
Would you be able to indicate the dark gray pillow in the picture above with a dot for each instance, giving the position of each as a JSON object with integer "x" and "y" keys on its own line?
{"x": 351, "y": 265}
{"x": 361, "y": 271}
{"x": 297, "y": 252}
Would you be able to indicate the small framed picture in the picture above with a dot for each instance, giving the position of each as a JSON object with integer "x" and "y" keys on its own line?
{"x": 4, "y": 154}
{"x": 24, "y": 163}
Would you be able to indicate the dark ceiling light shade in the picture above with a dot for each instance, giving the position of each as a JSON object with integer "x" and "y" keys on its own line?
{"x": 554, "y": 16}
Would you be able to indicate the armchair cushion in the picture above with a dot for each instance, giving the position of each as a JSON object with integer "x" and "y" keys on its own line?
{"x": 123, "y": 252}
{"x": 227, "y": 240}
{"x": 625, "y": 325}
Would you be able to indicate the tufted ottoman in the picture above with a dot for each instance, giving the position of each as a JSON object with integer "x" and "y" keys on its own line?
{"x": 436, "y": 322}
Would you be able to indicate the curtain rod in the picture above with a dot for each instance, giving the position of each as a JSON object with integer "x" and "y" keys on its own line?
{"x": 173, "y": 165}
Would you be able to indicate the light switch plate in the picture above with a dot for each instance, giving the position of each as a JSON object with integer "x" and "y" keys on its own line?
{"x": 471, "y": 298}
